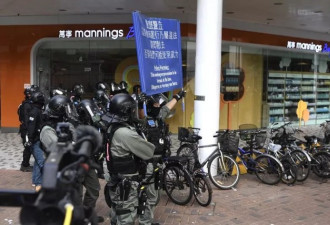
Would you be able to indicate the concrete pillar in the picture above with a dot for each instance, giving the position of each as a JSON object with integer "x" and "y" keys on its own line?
{"x": 208, "y": 70}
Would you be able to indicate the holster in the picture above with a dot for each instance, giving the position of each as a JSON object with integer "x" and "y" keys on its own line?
{"x": 123, "y": 183}
{"x": 142, "y": 201}
{"x": 124, "y": 189}
{"x": 158, "y": 182}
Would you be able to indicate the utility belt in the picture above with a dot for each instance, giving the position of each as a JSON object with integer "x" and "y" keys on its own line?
{"x": 122, "y": 165}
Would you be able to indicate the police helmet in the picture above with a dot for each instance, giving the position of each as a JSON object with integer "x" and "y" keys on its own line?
{"x": 122, "y": 108}
{"x": 30, "y": 90}
{"x": 102, "y": 86}
{"x": 114, "y": 88}
{"x": 101, "y": 96}
{"x": 152, "y": 108}
{"x": 56, "y": 106}
{"x": 38, "y": 98}
{"x": 86, "y": 110}
{"x": 57, "y": 91}
{"x": 78, "y": 89}
{"x": 158, "y": 98}
{"x": 123, "y": 85}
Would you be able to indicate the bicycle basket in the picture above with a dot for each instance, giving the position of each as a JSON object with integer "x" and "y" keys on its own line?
{"x": 229, "y": 143}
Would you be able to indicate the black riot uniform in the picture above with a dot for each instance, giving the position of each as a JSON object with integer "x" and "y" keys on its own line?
{"x": 33, "y": 133}
{"x": 23, "y": 111}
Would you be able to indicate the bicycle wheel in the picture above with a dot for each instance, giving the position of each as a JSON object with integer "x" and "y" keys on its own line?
{"x": 224, "y": 174}
{"x": 303, "y": 164}
{"x": 322, "y": 164}
{"x": 187, "y": 150}
{"x": 202, "y": 190}
{"x": 268, "y": 169}
{"x": 177, "y": 184}
{"x": 290, "y": 172}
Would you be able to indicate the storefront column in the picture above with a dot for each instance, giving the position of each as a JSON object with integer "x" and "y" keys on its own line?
{"x": 207, "y": 77}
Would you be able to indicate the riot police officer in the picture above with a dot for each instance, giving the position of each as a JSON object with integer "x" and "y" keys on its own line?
{"x": 89, "y": 114}
{"x": 23, "y": 110}
{"x": 102, "y": 100}
{"x": 127, "y": 152}
{"x": 33, "y": 132}
{"x": 76, "y": 93}
{"x": 55, "y": 112}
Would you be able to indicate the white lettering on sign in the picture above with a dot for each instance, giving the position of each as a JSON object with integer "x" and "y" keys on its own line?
{"x": 304, "y": 46}
{"x": 104, "y": 33}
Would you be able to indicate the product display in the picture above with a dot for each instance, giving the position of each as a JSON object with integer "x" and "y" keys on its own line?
{"x": 285, "y": 89}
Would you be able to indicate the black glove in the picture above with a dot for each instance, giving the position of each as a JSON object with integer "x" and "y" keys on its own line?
{"x": 142, "y": 97}
{"x": 27, "y": 144}
{"x": 180, "y": 95}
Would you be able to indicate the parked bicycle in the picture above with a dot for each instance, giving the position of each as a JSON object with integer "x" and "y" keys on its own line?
{"x": 316, "y": 157}
{"x": 284, "y": 136}
{"x": 290, "y": 168}
{"x": 267, "y": 168}
{"x": 223, "y": 170}
{"x": 326, "y": 130}
{"x": 320, "y": 157}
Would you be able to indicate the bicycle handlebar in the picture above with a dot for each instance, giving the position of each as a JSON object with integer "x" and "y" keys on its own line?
{"x": 282, "y": 126}
{"x": 226, "y": 131}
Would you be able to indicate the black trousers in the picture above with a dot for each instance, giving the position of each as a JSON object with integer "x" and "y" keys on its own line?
{"x": 26, "y": 152}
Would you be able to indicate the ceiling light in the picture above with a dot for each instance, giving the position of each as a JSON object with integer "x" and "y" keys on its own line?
{"x": 229, "y": 12}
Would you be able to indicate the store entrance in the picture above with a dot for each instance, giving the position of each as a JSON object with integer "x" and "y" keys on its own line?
{"x": 64, "y": 63}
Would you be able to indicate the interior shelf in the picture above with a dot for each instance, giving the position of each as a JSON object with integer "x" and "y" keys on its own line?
{"x": 286, "y": 89}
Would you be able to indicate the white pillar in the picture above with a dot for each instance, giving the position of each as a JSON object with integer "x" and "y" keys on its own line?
{"x": 208, "y": 66}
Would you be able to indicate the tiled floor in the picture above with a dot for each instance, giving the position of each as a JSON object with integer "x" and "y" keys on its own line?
{"x": 251, "y": 202}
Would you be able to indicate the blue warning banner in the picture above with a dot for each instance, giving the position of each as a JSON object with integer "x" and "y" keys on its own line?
{"x": 158, "y": 44}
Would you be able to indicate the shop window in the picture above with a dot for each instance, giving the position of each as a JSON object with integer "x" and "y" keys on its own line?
{"x": 293, "y": 77}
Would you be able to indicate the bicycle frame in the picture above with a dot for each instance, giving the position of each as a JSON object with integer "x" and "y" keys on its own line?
{"x": 243, "y": 152}
{"x": 216, "y": 151}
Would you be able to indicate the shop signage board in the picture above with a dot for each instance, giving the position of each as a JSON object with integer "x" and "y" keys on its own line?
{"x": 158, "y": 44}
{"x": 101, "y": 33}
{"x": 309, "y": 46}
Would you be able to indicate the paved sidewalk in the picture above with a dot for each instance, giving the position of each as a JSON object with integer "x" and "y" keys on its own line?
{"x": 250, "y": 203}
